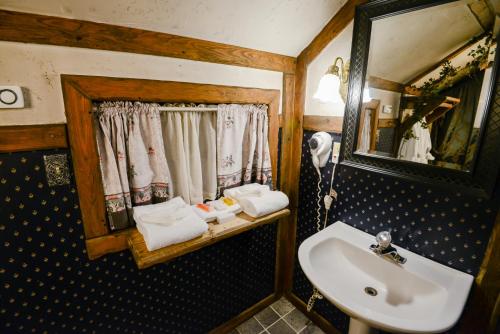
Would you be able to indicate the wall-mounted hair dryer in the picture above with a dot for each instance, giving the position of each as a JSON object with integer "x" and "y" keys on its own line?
{"x": 321, "y": 146}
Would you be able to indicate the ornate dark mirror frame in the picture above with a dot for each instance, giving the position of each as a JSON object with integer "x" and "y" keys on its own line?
{"x": 481, "y": 180}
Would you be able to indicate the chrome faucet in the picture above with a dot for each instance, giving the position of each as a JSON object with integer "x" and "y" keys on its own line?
{"x": 384, "y": 248}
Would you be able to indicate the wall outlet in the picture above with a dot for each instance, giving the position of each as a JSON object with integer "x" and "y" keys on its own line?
{"x": 387, "y": 109}
{"x": 11, "y": 97}
{"x": 335, "y": 152}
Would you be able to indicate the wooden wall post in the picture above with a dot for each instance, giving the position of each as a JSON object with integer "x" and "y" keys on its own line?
{"x": 293, "y": 126}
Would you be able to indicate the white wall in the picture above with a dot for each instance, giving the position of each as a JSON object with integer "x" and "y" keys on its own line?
{"x": 386, "y": 98}
{"x": 38, "y": 68}
{"x": 339, "y": 47}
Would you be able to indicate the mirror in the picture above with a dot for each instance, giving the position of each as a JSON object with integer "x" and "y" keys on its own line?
{"x": 429, "y": 73}
{"x": 431, "y": 70}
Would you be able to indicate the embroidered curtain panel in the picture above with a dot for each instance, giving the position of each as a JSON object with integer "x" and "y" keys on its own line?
{"x": 242, "y": 146}
{"x": 147, "y": 156}
{"x": 132, "y": 158}
{"x": 190, "y": 146}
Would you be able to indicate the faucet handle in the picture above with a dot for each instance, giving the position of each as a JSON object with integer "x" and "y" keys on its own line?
{"x": 383, "y": 239}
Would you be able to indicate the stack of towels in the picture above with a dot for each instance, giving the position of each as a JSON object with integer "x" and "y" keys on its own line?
{"x": 257, "y": 200}
{"x": 168, "y": 223}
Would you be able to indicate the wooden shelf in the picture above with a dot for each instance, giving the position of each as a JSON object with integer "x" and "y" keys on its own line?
{"x": 215, "y": 233}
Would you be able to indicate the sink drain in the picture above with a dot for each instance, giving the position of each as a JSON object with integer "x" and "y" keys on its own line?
{"x": 371, "y": 291}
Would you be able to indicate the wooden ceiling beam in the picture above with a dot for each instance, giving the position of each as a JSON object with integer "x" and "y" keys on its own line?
{"x": 384, "y": 84}
{"x": 447, "y": 58}
{"x": 51, "y": 30}
{"x": 332, "y": 29}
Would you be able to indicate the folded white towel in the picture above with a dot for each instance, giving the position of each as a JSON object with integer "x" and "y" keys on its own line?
{"x": 159, "y": 213}
{"x": 252, "y": 189}
{"x": 168, "y": 223}
{"x": 212, "y": 215}
{"x": 160, "y": 218}
{"x": 268, "y": 202}
{"x": 225, "y": 217}
{"x": 158, "y": 236}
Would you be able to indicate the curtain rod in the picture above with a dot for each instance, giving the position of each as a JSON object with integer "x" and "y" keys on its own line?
{"x": 187, "y": 108}
{"x": 180, "y": 109}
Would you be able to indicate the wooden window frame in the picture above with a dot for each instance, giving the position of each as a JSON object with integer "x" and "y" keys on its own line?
{"x": 81, "y": 91}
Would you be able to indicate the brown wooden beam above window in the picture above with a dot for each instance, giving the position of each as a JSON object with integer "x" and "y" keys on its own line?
{"x": 41, "y": 29}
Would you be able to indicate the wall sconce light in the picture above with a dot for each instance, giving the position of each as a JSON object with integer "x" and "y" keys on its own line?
{"x": 332, "y": 87}
{"x": 366, "y": 94}
{"x": 329, "y": 88}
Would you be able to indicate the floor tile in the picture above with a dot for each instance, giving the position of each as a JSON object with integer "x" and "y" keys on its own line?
{"x": 280, "y": 327}
{"x": 267, "y": 316}
{"x": 297, "y": 320}
{"x": 312, "y": 329}
{"x": 251, "y": 326}
{"x": 282, "y": 306}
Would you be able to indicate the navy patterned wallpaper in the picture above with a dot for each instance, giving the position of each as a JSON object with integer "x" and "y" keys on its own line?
{"x": 449, "y": 228}
{"x": 385, "y": 140}
{"x": 49, "y": 285}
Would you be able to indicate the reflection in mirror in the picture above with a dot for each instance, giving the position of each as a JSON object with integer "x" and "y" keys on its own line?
{"x": 429, "y": 74}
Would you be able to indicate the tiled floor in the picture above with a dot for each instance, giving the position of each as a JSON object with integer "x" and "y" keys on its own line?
{"x": 279, "y": 318}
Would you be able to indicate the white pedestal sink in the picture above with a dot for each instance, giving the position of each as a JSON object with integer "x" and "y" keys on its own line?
{"x": 420, "y": 296}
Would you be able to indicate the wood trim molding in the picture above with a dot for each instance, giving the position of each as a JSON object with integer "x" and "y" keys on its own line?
{"x": 51, "y": 30}
{"x": 293, "y": 123}
{"x": 111, "y": 243}
{"x": 323, "y": 123}
{"x": 479, "y": 314}
{"x": 32, "y": 137}
{"x": 79, "y": 93}
{"x": 85, "y": 160}
{"x": 115, "y": 89}
{"x": 388, "y": 122}
{"x": 373, "y": 125}
{"x": 292, "y": 150}
{"x": 286, "y": 240}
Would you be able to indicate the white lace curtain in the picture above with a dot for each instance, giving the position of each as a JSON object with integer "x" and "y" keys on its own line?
{"x": 132, "y": 157}
{"x": 190, "y": 147}
{"x": 148, "y": 156}
{"x": 242, "y": 145}
{"x": 364, "y": 141}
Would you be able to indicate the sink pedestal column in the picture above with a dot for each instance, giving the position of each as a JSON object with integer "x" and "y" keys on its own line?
{"x": 358, "y": 327}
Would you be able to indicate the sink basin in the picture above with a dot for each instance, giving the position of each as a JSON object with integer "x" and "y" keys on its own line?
{"x": 420, "y": 296}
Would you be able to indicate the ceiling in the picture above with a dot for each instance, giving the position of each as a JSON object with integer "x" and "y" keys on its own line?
{"x": 279, "y": 26}
{"x": 406, "y": 45}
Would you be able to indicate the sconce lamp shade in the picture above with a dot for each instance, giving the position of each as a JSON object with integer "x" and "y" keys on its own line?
{"x": 328, "y": 89}
{"x": 366, "y": 94}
